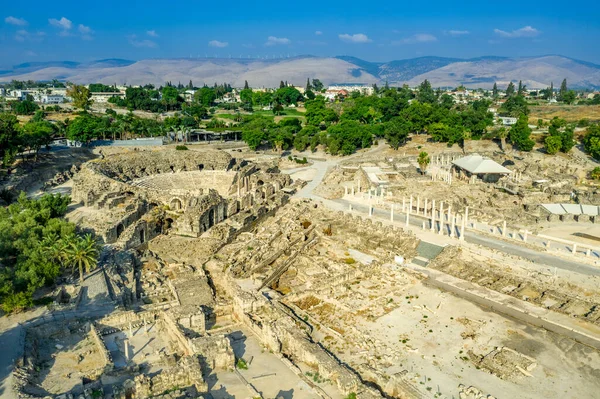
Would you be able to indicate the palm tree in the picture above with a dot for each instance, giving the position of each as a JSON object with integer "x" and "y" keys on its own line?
{"x": 83, "y": 253}
{"x": 423, "y": 161}
{"x": 57, "y": 249}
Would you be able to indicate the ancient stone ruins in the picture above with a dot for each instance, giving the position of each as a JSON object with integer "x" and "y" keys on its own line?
{"x": 224, "y": 274}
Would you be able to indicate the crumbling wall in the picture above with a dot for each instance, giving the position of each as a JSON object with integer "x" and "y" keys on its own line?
{"x": 186, "y": 374}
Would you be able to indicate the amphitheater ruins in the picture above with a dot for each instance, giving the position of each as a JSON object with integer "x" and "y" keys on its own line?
{"x": 233, "y": 274}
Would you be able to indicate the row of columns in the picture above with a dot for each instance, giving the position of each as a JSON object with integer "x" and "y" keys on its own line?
{"x": 442, "y": 175}
{"x": 516, "y": 176}
{"x": 446, "y": 217}
{"x": 444, "y": 159}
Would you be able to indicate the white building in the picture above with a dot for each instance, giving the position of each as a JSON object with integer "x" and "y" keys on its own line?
{"x": 102, "y": 97}
{"x": 50, "y": 98}
{"x": 508, "y": 120}
{"x": 350, "y": 87}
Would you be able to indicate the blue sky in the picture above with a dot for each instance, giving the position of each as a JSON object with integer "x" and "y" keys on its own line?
{"x": 375, "y": 31}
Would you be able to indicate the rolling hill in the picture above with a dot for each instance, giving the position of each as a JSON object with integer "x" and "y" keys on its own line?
{"x": 535, "y": 72}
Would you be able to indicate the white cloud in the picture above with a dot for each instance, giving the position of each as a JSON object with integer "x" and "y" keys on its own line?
{"x": 418, "y": 38}
{"x": 318, "y": 33}
{"x": 526, "y": 31}
{"x": 216, "y": 43}
{"x": 152, "y": 33}
{"x": 355, "y": 38}
{"x": 22, "y": 35}
{"x": 15, "y": 21}
{"x": 273, "y": 41}
{"x": 458, "y": 32}
{"x": 86, "y": 32}
{"x": 62, "y": 23}
{"x": 145, "y": 43}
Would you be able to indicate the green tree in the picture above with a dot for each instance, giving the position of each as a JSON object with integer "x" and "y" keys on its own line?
{"x": 563, "y": 90}
{"x": 569, "y": 97}
{"x": 82, "y": 128}
{"x": 510, "y": 89}
{"x": 205, "y": 96}
{"x": 246, "y": 97}
{"x": 170, "y": 97}
{"x": 552, "y": 144}
{"x": 9, "y": 136}
{"x": 37, "y": 135}
{"x": 595, "y": 173}
{"x": 317, "y": 85}
{"x": 425, "y": 93}
{"x": 396, "y": 131}
{"x": 591, "y": 141}
{"x": 423, "y": 160}
{"x": 81, "y": 96}
{"x": 520, "y": 135}
{"x": 25, "y": 107}
{"x": 246, "y": 87}
{"x": 83, "y": 254}
{"x": 495, "y": 90}
{"x": 514, "y": 106}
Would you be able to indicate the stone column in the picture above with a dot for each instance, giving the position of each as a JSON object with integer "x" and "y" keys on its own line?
{"x": 126, "y": 348}
{"x": 466, "y": 216}
{"x": 425, "y": 208}
{"x": 462, "y": 229}
{"x": 350, "y": 207}
{"x": 418, "y": 205}
{"x": 574, "y": 248}
{"x": 370, "y": 210}
{"x": 410, "y": 205}
{"x": 525, "y": 235}
{"x": 452, "y": 226}
{"x": 345, "y": 190}
{"x": 504, "y": 229}
{"x": 449, "y": 212}
{"x": 392, "y": 213}
{"x": 432, "y": 215}
{"x": 441, "y": 230}
{"x": 587, "y": 252}
{"x": 403, "y": 204}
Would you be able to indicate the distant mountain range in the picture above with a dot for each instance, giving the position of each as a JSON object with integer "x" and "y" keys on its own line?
{"x": 535, "y": 72}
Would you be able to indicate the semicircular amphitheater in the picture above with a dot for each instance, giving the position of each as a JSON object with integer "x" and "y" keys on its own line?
{"x": 131, "y": 198}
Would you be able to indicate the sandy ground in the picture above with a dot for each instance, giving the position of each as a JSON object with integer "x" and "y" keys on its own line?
{"x": 429, "y": 334}
{"x": 266, "y": 372}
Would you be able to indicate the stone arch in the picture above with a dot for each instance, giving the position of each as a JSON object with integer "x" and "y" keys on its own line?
{"x": 176, "y": 204}
{"x": 200, "y": 166}
{"x": 211, "y": 217}
{"x": 168, "y": 223}
{"x": 260, "y": 182}
{"x": 120, "y": 229}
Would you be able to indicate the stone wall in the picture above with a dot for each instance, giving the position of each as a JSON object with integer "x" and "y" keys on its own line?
{"x": 187, "y": 373}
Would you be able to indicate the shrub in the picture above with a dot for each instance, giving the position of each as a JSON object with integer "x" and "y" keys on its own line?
{"x": 181, "y": 148}
{"x": 241, "y": 364}
{"x": 595, "y": 173}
